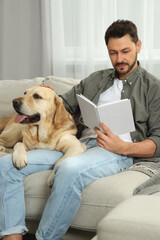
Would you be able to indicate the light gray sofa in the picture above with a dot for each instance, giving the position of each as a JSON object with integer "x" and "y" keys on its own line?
{"x": 99, "y": 199}
{"x": 136, "y": 218}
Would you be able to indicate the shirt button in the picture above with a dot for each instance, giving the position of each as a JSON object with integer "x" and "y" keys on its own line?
{"x": 123, "y": 91}
{"x": 134, "y": 140}
{"x": 130, "y": 83}
{"x": 125, "y": 80}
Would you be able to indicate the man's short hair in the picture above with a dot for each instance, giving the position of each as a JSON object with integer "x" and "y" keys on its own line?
{"x": 120, "y": 28}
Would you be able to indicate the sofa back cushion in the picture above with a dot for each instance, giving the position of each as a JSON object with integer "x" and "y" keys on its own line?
{"x": 10, "y": 89}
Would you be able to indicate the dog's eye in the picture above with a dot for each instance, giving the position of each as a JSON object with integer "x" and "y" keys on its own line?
{"x": 36, "y": 96}
{"x": 25, "y": 93}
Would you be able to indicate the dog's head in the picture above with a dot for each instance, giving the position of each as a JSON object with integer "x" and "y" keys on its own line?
{"x": 38, "y": 104}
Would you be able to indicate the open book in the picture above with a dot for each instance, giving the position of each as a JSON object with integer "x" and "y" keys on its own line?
{"x": 116, "y": 115}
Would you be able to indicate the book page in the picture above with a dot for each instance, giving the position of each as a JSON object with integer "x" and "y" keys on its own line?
{"x": 89, "y": 111}
{"x": 117, "y": 116}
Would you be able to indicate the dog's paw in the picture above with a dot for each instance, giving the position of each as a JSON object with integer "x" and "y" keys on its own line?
{"x": 50, "y": 179}
{"x": 19, "y": 162}
{"x": 3, "y": 149}
{"x": 19, "y": 156}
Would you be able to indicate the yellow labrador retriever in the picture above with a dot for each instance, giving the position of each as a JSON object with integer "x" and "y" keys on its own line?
{"x": 42, "y": 122}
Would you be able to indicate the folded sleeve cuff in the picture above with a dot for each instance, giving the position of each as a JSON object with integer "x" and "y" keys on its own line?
{"x": 156, "y": 140}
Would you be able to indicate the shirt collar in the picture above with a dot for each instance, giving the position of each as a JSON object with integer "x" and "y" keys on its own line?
{"x": 133, "y": 76}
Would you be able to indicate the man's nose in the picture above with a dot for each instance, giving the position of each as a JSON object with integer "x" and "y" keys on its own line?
{"x": 119, "y": 57}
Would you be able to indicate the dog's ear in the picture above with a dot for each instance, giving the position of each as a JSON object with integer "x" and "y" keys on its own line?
{"x": 61, "y": 114}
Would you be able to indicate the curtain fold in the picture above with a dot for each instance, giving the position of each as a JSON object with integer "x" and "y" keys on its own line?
{"x": 58, "y": 44}
{"x": 46, "y": 37}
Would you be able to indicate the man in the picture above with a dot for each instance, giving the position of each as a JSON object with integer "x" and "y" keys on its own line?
{"x": 106, "y": 153}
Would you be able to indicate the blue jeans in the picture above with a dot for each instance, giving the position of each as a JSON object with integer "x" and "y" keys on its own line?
{"x": 72, "y": 175}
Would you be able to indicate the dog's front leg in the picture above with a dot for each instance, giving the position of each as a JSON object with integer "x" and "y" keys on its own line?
{"x": 50, "y": 178}
{"x": 5, "y": 150}
{"x": 71, "y": 151}
{"x": 19, "y": 155}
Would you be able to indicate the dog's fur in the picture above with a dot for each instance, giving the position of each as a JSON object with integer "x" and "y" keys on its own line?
{"x": 42, "y": 122}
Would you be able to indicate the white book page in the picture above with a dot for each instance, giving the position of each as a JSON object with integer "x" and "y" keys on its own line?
{"x": 111, "y": 103}
{"x": 117, "y": 116}
{"x": 89, "y": 111}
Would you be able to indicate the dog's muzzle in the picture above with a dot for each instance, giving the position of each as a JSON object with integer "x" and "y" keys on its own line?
{"x": 17, "y": 104}
{"x": 22, "y": 117}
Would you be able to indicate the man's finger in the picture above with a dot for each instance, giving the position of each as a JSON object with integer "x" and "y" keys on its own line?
{"x": 105, "y": 128}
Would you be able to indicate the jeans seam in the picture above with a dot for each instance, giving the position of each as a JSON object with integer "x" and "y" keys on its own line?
{"x": 59, "y": 211}
{"x": 2, "y": 194}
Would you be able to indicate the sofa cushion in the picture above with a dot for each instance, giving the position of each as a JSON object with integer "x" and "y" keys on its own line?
{"x": 61, "y": 85}
{"x": 94, "y": 238}
{"x": 10, "y": 89}
{"x": 136, "y": 218}
{"x": 98, "y": 198}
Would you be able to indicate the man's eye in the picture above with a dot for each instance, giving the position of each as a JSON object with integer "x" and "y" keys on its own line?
{"x": 125, "y": 51}
{"x": 112, "y": 53}
{"x": 36, "y": 96}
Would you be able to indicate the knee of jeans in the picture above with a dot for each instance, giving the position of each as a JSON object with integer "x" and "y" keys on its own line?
{"x": 68, "y": 169}
{"x": 68, "y": 166}
{"x": 5, "y": 164}
{"x": 69, "y": 173}
{"x": 8, "y": 172}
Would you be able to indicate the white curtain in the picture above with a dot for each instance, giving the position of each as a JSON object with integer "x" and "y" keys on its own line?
{"x": 78, "y": 28}
{"x": 65, "y": 38}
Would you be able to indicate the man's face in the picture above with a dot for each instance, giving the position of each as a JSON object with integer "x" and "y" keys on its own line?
{"x": 123, "y": 54}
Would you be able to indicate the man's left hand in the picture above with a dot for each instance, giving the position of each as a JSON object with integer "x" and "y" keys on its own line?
{"x": 108, "y": 140}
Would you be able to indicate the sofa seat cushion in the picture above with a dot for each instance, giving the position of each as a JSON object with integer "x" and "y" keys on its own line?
{"x": 94, "y": 238}
{"x": 135, "y": 218}
{"x": 98, "y": 198}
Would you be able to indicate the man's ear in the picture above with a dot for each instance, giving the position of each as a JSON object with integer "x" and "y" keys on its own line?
{"x": 138, "y": 45}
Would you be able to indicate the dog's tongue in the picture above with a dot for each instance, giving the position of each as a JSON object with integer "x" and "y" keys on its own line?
{"x": 19, "y": 118}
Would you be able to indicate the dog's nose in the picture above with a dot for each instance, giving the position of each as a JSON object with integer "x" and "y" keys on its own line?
{"x": 16, "y": 102}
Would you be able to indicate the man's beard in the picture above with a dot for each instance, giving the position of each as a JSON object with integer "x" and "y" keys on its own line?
{"x": 129, "y": 68}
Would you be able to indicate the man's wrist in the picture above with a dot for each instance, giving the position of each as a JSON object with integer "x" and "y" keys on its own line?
{"x": 126, "y": 148}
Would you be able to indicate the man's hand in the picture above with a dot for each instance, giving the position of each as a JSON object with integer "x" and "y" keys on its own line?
{"x": 113, "y": 143}
{"x": 108, "y": 140}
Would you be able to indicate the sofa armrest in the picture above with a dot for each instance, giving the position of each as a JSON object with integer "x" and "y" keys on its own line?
{"x": 135, "y": 218}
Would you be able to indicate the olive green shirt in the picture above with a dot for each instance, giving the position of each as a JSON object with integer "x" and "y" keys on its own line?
{"x": 142, "y": 88}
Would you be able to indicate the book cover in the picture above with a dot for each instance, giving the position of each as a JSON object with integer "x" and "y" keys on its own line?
{"x": 116, "y": 115}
